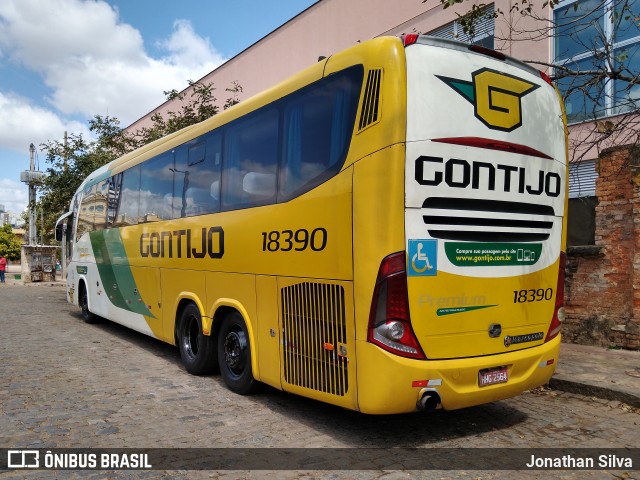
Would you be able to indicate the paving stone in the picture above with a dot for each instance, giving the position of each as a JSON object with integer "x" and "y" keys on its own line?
{"x": 70, "y": 384}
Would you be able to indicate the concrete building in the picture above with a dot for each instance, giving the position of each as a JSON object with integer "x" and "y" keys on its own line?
{"x": 598, "y": 269}
{"x": 10, "y": 218}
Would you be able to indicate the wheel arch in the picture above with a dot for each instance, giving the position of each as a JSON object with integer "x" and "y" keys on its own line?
{"x": 221, "y": 308}
{"x": 82, "y": 284}
{"x": 184, "y": 299}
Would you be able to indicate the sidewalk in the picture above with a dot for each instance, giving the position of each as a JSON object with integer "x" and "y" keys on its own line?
{"x": 599, "y": 372}
{"x": 593, "y": 371}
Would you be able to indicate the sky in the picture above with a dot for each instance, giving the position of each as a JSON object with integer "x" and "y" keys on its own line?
{"x": 64, "y": 61}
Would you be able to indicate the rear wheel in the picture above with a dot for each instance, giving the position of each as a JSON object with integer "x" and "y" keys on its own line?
{"x": 197, "y": 350}
{"x": 234, "y": 355}
{"x": 83, "y": 302}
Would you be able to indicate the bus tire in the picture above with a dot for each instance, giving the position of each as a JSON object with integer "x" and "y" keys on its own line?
{"x": 197, "y": 351}
{"x": 83, "y": 303}
{"x": 234, "y": 355}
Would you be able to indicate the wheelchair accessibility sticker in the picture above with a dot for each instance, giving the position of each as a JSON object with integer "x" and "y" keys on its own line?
{"x": 423, "y": 257}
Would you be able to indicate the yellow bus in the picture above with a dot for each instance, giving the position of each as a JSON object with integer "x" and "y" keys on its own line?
{"x": 384, "y": 231}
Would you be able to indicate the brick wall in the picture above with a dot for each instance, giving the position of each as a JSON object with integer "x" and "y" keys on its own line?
{"x": 602, "y": 297}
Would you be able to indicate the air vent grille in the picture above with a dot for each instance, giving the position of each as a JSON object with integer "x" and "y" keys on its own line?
{"x": 371, "y": 102}
{"x": 314, "y": 337}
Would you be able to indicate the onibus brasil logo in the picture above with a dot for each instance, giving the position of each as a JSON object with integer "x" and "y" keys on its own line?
{"x": 495, "y": 96}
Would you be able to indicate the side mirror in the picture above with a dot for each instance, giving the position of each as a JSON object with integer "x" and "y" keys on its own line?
{"x": 59, "y": 232}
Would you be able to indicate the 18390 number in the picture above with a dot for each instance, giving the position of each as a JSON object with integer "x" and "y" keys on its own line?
{"x": 524, "y": 296}
{"x": 298, "y": 240}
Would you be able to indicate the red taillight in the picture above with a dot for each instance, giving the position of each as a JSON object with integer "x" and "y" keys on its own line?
{"x": 488, "y": 52}
{"x": 410, "y": 39}
{"x": 389, "y": 320}
{"x": 545, "y": 77}
{"x": 558, "y": 312}
{"x": 492, "y": 144}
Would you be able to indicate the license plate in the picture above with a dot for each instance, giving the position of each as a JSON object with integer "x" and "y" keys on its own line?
{"x": 491, "y": 376}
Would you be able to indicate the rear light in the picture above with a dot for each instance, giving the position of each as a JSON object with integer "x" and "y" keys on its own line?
{"x": 545, "y": 77}
{"x": 389, "y": 320}
{"x": 488, "y": 52}
{"x": 410, "y": 39}
{"x": 491, "y": 144}
{"x": 558, "y": 313}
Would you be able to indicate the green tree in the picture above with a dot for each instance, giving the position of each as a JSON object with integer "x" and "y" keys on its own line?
{"x": 235, "y": 90}
{"x": 70, "y": 161}
{"x": 197, "y": 107}
{"x": 9, "y": 244}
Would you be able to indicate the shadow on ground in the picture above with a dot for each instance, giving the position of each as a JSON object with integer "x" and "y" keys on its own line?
{"x": 349, "y": 427}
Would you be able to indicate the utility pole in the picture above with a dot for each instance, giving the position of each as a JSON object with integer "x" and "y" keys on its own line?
{"x": 33, "y": 239}
{"x": 34, "y": 256}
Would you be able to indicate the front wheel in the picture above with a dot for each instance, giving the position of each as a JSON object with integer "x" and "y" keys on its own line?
{"x": 234, "y": 355}
{"x": 83, "y": 302}
{"x": 197, "y": 350}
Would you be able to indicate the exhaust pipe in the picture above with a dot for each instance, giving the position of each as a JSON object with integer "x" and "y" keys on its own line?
{"x": 428, "y": 401}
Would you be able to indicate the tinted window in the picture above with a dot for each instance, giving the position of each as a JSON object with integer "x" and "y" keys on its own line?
{"x": 113, "y": 199}
{"x": 250, "y": 161}
{"x": 100, "y": 204}
{"x": 197, "y": 179}
{"x": 318, "y": 124}
{"x": 156, "y": 188}
{"x": 87, "y": 207}
{"x": 237, "y": 166}
{"x": 129, "y": 198}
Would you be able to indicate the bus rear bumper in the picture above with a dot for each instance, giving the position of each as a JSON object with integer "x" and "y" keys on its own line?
{"x": 391, "y": 384}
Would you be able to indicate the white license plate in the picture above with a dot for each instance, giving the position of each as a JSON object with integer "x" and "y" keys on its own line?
{"x": 491, "y": 376}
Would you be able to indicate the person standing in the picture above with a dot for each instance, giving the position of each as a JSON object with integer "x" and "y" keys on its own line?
{"x": 3, "y": 267}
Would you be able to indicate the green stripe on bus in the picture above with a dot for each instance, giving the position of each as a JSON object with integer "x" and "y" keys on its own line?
{"x": 115, "y": 272}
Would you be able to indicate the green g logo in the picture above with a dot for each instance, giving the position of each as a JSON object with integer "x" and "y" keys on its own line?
{"x": 495, "y": 97}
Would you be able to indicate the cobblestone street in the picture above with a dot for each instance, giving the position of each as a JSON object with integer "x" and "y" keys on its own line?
{"x": 65, "y": 383}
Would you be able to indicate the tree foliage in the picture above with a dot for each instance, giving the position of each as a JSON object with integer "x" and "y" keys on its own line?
{"x": 198, "y": 106}
{"x": 9, "y": 245}
{"x": 71, "y": 160}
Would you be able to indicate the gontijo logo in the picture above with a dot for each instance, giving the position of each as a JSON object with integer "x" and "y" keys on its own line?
{"x": 495, "y": 97}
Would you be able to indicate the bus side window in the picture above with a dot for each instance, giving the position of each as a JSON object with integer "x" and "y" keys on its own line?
{"x": 156, "y": 187}
{"x": 101, "y": 201}
{"x": 68, "y": 238}
{"x": 129, "y": 198}
{"x": 74, "y": 218}
{"x": 86, "y": 213}
{"x": 250, "y": 161}
{"x": 196, "y": 192}
{"x": 113, "y": 199}
{"x": 318, "y": 125}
